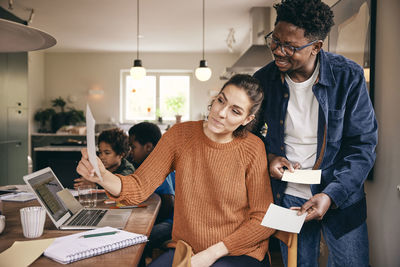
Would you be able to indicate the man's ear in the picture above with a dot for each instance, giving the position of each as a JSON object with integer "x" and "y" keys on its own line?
{"x": 248, "y": 119}
{"x": 317, "y": 47}
{"x": 148, "y": 147}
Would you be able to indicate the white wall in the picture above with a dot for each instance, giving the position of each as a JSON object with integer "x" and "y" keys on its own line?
{"x": 73, "y": 74}
{"x": 382, "y": 196}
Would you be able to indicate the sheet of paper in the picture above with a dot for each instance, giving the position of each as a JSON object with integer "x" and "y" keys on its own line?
{"x": 73, "y": 192}
{"x": 16, "y": 188}
{"x": 24, "y": 253}
{"x": 69, "y": 201}
{"x": 302, "y": 176}
{"x": 91, "y": 142}
{"x": 283, "y": 219}
{"x": 19, "y": 197}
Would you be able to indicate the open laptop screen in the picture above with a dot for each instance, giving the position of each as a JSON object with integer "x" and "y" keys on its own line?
{"x": 46, "y": 187}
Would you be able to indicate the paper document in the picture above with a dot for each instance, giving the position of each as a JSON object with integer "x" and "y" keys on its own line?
{"x": 302, "y": 176}
{"x": 283, "y": 219}
{"x": 19, "y": 197}
{"x": 91, "y": 142}
{"x": 24, "y": 253}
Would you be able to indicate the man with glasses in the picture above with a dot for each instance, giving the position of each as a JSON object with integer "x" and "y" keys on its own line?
{"x": 318, "y": 115}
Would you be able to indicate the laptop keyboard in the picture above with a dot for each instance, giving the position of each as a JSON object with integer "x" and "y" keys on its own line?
{"x": 88, "y": 218}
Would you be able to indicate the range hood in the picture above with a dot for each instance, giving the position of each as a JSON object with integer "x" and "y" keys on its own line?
{"x": 257, "y": 53}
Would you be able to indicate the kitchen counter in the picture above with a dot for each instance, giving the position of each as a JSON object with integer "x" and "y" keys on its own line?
{"x": 59, "y": 148}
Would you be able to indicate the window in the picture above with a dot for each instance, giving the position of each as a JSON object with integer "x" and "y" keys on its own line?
{"x": 160, "y": 93}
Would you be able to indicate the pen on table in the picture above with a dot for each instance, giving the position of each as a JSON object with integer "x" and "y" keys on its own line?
{"x": 129, "y": 207}
{"x": 99, "y": 234}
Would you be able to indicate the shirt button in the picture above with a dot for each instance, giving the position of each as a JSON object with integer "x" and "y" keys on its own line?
{"x": 278, "y": 196}
{"x": 281, "y": 122}
{"x": 282, "y": 148}
{"x": 286, "y": 95}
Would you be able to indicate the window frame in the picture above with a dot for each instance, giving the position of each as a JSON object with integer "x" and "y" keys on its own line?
{"x": 157, "y": 73}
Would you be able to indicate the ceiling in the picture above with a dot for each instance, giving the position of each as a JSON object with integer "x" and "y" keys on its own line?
{"x": 166, "y": 25}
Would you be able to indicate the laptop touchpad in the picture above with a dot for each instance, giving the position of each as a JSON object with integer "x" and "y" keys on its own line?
{"x": 115, "y": 217}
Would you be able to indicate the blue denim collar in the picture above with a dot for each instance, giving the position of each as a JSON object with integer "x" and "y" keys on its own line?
{"x": 326, "y": 77}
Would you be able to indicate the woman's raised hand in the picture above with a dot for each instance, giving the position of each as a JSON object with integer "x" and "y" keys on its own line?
{"x": 86, "y": 170}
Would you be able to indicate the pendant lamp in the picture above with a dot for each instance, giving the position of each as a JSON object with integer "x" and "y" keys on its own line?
{"x": 16, "y": 37}
{"x": 203, "y": 73}
{"x": 137, "y": 71}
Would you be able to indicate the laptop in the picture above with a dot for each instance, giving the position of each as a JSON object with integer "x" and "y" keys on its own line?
{"x": 65, "y": 211}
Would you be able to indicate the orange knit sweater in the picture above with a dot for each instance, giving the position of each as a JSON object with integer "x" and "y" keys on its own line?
{"x": 222, "y": 190}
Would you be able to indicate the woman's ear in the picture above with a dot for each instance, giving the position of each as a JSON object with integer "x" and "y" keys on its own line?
{"x": 248, "y": 119}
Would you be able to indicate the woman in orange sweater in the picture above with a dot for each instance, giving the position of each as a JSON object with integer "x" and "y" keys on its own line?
{"x": 222, "y": 182}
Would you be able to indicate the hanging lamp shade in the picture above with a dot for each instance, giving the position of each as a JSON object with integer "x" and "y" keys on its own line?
{"x": 16, "y": 37}
{"x": 203, "y": 72}
{"x": 138, "y": 72}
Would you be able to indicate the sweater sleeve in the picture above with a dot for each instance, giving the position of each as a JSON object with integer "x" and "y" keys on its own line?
{"x": 138, "y": 186}
{"x": 259, "y": 193}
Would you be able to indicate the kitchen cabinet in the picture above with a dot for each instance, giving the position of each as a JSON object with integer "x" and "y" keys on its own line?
{"x": 13, "y": 117}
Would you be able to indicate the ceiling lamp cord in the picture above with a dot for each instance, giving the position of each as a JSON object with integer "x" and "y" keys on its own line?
{"x": 137, "y": 30}
{"x": 203, "y": 72}
{"x": 137, "y": 71}
{"x": 204, "y": 26}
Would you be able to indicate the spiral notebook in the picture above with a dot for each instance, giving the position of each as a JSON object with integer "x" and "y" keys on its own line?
{"x": 76, "y": 247}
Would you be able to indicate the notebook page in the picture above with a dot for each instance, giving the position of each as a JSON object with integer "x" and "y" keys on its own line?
{"x": 71, "y": 248}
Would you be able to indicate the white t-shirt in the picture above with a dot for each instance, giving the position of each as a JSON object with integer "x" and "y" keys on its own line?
{"x": 301, "y": 127}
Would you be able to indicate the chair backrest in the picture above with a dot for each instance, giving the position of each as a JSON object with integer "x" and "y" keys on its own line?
{"x": 183, "y": 252}
{"x": 183, "y": 255}
{"x": 290, "y": 239}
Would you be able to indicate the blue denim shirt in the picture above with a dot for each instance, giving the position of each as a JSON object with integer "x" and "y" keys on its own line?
{"x": 347, "y": 135}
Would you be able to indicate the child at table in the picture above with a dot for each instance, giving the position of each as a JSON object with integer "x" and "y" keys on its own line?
{"x": 222, "y": 182}
{"x": 113, "y": 147}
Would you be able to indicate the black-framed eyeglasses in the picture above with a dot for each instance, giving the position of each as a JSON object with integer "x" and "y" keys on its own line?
{"x": 287, "y": 50}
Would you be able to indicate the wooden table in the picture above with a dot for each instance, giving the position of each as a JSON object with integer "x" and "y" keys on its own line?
{"x": 141, "y": 221}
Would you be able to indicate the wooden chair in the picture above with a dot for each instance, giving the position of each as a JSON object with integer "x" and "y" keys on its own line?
{"x": 290, "y": 239}
{"x": 182, "y": 259}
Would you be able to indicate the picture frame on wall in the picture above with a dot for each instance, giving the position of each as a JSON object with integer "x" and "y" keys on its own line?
{"x": 353, "y": 35}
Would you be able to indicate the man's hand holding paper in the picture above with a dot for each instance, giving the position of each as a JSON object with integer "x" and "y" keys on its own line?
{"x": 302, "y": 176}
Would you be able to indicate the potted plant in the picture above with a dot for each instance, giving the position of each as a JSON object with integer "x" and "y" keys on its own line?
{"x": 43, "y": 116}
{"x": 159, "y": 116}
{"x": 176, "y": 104}
{"x": 59, "y": 119}
{"x": 74, "y": 116}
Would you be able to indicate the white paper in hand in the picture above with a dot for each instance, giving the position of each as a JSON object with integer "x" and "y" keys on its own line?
{"x": 91, "y": 142}
{"x": 283, "y": 219}
{"x": 302, "y": 176}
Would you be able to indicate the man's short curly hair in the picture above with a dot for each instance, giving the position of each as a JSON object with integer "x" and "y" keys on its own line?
{"x": 117, "y": 139}
{"x": 313, "y": 16}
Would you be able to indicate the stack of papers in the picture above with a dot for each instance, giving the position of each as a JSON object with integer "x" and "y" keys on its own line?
{"x": 19, "y": 197}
